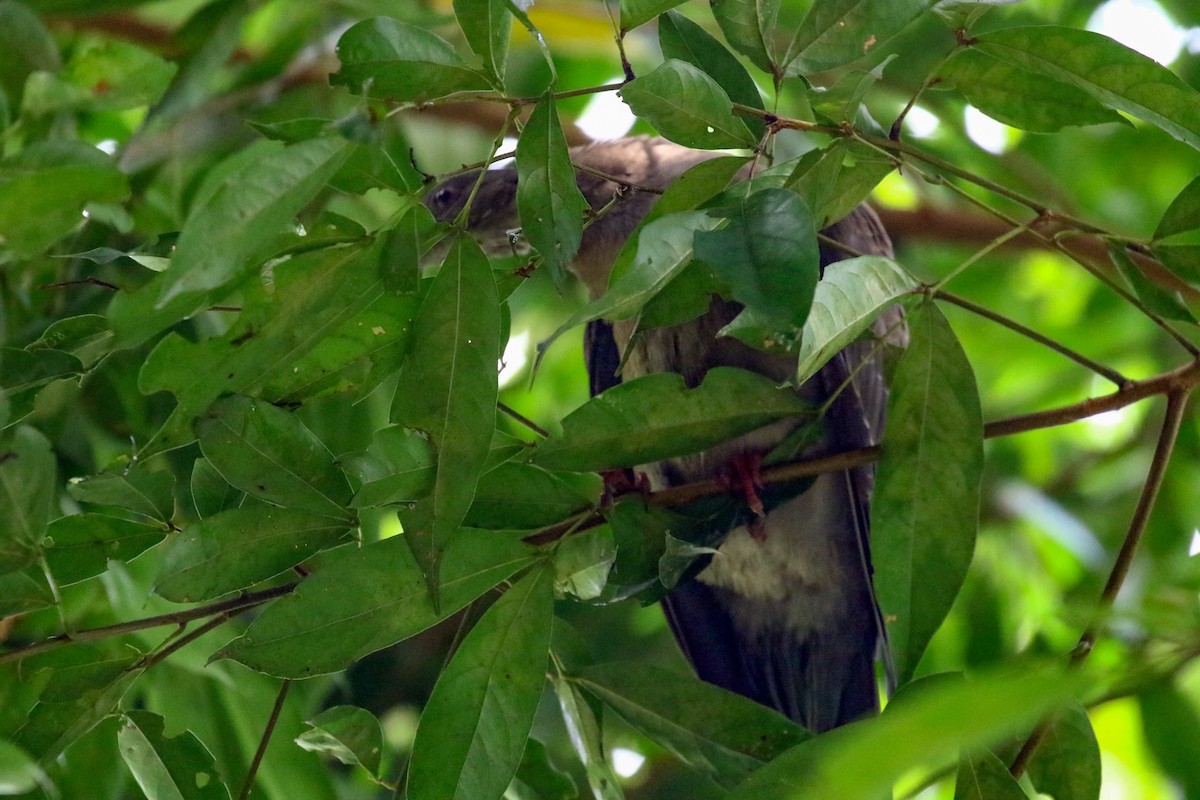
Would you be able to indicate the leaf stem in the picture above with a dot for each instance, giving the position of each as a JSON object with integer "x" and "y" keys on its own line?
{"x": 1105, "y": 372}
{"x": 248, "y": 784}
{"x": 1173, "y": 420}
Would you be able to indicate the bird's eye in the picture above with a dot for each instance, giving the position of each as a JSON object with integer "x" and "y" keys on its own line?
{"x": 443, "y": 196}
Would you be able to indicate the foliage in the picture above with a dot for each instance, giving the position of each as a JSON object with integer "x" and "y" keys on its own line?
{"x": 239, "y": 357}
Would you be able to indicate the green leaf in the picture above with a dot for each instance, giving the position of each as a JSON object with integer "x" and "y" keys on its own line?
{"x": 962, "y": 14}
{"x": 386, "y": 58}
{"x": 18, "y": 772}
{"x": 1066, "y": 765}
{"x": 101, "y": 76}
{"x": 1171, "y": 725}
{"x": 397, "y": 467}
{"x": 1113, "y": 74}
{"x": 324, "y": 309}
{"x": 1020, "y": 97}
{"x": 835, "y": 180}
{"x": 635, "y": 13}
{"x": 369, "y": 599}
{"x": 656, "y": 416}
{"x": 227, "y": 235}
{"x": 1166, "y": 302}
{"x": 25, "y": 47}
{"x": 538, "y": 775}
{"x": 448, "y": 386}
{"x": 486, "y": 24}
{"x": 45, "y": 187}
{"x": 687, "y": 107}
{"x": 28, "y": 487}
{"x": 86, "y": 337}
{"x": 982, "y": 776}
{"x": 767, "y": 255}
{"x": 583, "y": 561}
{"x": 839, "y": 32}
{"x": 474, "y": 727}
{"x": 522, "y": 496}
{"x": 664, "y": 249}
{"x": 549, "y": 202}
{"x": 716, "y": 732}
{"x": 583, "y": 729}
{"x": 849, "y": 297}
{"x": 269, "y": 453}
{"x": 1183, "y": 260}
{"x": 240, "y": 547}
{"x": 79, "y": 547}
{"x": 25, "y": 373}
{"x": 150, "y": 494}
{"x": 682, "y": 39}
{"x": 749, "y": 27}
{"x": 350, "y": 734}
{"x": 1183, "y": 214}
{"x": 926, "y": 507}
{"x": 24, "y": 591}
{"x": 175, "y": 768}
{"x": 921, "y": 731}
{"x": 52, "y": 726}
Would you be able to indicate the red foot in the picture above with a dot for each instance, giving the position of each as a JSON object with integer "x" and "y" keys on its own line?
{"x": 744, "y": 476}
{"x": 617, "y": 482}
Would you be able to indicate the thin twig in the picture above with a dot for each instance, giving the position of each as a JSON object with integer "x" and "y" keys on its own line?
{"x": 1172, "y": 421}
{"x": 523, "y": 420}
{"x": 1105, "y": 372}
{"x": 265, "y": 740}
{"x": 239, "y": 603}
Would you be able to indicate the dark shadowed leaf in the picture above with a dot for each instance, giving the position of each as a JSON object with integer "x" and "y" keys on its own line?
{"x": 240, "y": 547}
{"x": 23, "y": 591}
{"x": 383, "y": 57}
{"x": 687, "y": 106}
{"x": 767, "y": 255}
{"x": 1182, "y": 259}
{"x": 926, "y": 507}
{"x": 1066, "y": 765}
{"x": 583, "y": 729}
{"x": 147, "y": 493}
{"x": 350, "y": 734}
{"x": 448, "y": 387}
{"x": 539, "y": 779}
{"x": 982, "y": 776}
{"x": 1162, "y": 300}
{"x": 175, "y": 768}
{"x": 1183, "y": 214}
{"x": 369, "y": 599}
{"x": 79, "y": 547}
{"x": 837, "y": 178}
{"x": 548, "y": 199}
{"x": 397, "y": 467}
{"x": 1171, "y": 724}
{"x": 657, "y": 416}
{"x": 27, "y": 489}
{"x": 475, "y": 725}
{"x": 716, "y": 732}
{"x": 1118, "y": 77}
{"x": 269, "y": 453}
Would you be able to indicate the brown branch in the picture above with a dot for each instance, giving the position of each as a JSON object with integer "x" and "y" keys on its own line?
{"x": 230, "y": 606}
{"x": 1173, "y": 420}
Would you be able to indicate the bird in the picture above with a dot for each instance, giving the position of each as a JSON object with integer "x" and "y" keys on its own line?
{"x": 784, "y": 613}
